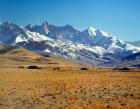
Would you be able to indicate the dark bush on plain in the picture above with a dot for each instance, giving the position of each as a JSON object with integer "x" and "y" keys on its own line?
{"x": 21, "y": 67}
{"x": 123, "y": 69}
{"x": 56, "y": 68}
{"x": 84, "y": 69}
{"x": 34, "y": 67}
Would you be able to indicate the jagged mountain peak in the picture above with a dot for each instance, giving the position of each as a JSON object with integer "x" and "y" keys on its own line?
{"x": 29, "y": 26}
{"x": 44, "y": 28}
{"x": 92, "y": 31}
{"x": 9, "y": 25}
{"x": 6, "y": 23}
{"x": 45, "y": 22}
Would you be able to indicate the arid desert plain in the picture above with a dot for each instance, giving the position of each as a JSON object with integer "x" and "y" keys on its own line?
{"x": 69, "y": 88}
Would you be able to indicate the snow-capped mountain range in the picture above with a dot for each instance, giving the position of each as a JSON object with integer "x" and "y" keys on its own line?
{"x": 91, "y": 46}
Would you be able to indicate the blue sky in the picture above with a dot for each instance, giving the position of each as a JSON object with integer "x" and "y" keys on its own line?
{"x": 118, "y": 17}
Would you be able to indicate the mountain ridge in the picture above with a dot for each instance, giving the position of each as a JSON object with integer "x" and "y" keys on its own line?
{"x": 91, "y": 46}
{"x": 135, "y": 43}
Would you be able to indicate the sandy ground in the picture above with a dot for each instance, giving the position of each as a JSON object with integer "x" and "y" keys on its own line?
{"x": 69, "y": 88}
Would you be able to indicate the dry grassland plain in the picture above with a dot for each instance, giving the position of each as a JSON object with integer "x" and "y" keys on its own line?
{"x": 69, "y": 88}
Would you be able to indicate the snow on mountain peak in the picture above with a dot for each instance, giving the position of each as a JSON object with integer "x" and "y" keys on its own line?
{"x": 102, "y": 33}
{"x": 36, "y": 36}
{"x": 19, "y": 39}
{"x": 92, "y": 31}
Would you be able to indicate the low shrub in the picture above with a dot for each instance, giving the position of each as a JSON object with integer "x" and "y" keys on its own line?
{"x": 56, "y": 68}
{"x": 21, "y": 67}
{"x": 84, "y": 68}
{"x": 123, "y": 69}
{"x": 33, "y": 67}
